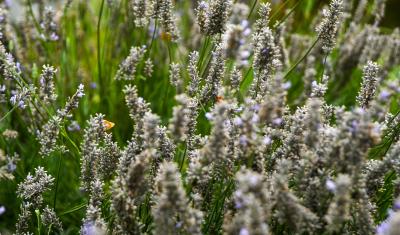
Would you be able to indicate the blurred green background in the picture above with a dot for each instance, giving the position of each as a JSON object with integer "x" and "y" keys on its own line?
{"x": 392, "y": 17}
{"x": 391, "y": 20}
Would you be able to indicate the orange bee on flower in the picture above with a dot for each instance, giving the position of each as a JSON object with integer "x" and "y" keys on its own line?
{"x": 219, "y": 98}
{"x": 108, "y": 125}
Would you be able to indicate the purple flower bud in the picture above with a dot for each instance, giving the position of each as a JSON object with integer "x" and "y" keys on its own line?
{"x": 80, "y": 93}
{"x": 384, "y": 95}
{"x": 74, "y": 126}
{"x": 396, "y": 205}
{"x": 54, "y": 37}
{"x": 239, "y": 109}
{"x": 244, "y": 231}
{"x": 93, "y": 85}
{"x": 11, "y": 167}
{"x": 21, "y": 104}
{"x": 277, "y": 121}
{"x": 265, "y": 51}
{"x": 330, "y": 185}
{"x": 238, "y": 121}
{"x": 286, "y": 85}
{"x": 243, "y": 140}
{"x": 383, "y": 228}
{"x": 267, "y": 140}
{"x": 314, "y": 83}
{"x": 8, "y": 3}
{"x": 89, "y": 228}
{"x": 18, "y": 64}
{"x": 179, "y": 224}
{"x": 255, "y": 119}
{"x": 209, "y": 116}
{"x": 244, "y": 23}
{"x": 244, "y": 62}
{"x": 244, "y": 54}
{"x": 253, "y": 180}
{"x": 2, "y": 210}
{"x": 238, "y": 205}
{"x": 256, "y": 107}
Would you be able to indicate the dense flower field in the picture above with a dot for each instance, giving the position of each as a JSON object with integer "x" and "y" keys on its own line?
{"x": 199, "y": 117}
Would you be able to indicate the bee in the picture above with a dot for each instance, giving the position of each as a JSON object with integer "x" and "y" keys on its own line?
{"x": 108, "y": 125}
{"x": 165, "y": 36}
{"x": 219, "y": 98}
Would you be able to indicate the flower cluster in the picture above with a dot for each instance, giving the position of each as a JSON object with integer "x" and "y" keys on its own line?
{"x": 48, "y": 26}
{"x": 259, "y": 129}
{"x": 328, "y": 28}
{"x": 31, "y": 192}
{"x": 213, "y": 15}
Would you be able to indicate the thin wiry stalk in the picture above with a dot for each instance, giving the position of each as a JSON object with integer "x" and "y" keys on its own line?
{"x": 323, "y": 69}
{"x": 281, "y": 7}
{"x": 153, "y": 36}
{"x": 301, "y": 59}
{"x": 202, "y": 51}
{"x": 288, "y": 14}
{"x": 99, "y": 41}
{"x": 252, "y": 8}
{"x": 37, "y": 26}
{"x": 57, "y": 180}
{"x": 8, "y": 113}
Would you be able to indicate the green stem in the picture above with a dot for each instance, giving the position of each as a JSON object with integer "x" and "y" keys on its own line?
{"x": 37, "y": 27}
{"x": 57, "y": 180}
{"x": 202, "y": 51}
{"x": 75, "y": 208}
{"x": 301, "y": 59}
{"x": 208, "y": 59}
{"x": 99, "y": 41}
{"x": 35, "y": 22}
{"x": 49, "y": 232}
{"x": 252, "y": 9}
{"x": 183, "y": 158}
{"x": 288, "y": 14}
{"x": 257, "y": 84}
{"x": 221, "y": 202}
{"x": 153, "y": 36}
{"x": 39, "y": 223}
{"x": 8, "y": 113}
{"x": 169, "y": 52}
{"x": 323, "y": 69}
{"x": 165, "y": 97}
{"x": 65, "y": 134}
{"x": 245, "y": 76}
{"x": 279, "y": 9}
{"x": 394, "y": 117}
